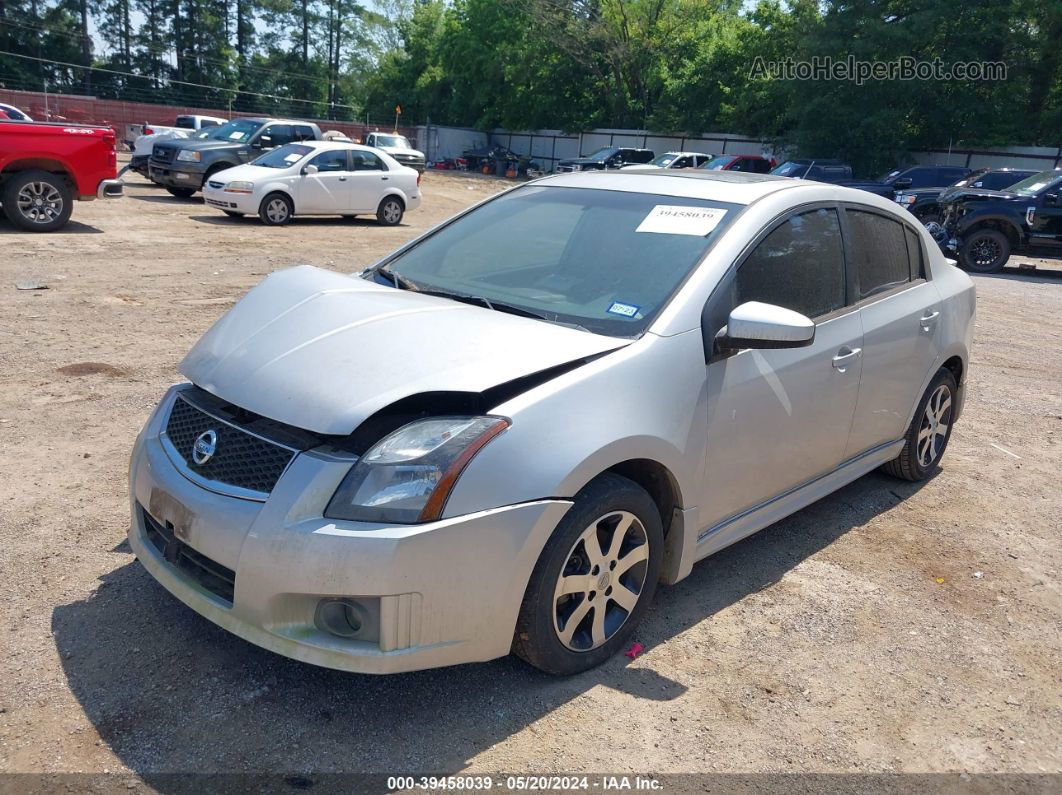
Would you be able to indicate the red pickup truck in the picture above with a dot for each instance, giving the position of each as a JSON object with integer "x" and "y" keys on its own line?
{"x": 45, "y": 167}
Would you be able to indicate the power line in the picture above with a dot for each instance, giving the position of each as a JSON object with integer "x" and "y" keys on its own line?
{"x": 174, "y": 81}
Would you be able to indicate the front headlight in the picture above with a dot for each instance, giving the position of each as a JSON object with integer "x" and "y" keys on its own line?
{"x": 910, "y": 199}
{"x": 236, "y": 186}
{"x": 188, "y": 156}
{"x": 407, "y": 476}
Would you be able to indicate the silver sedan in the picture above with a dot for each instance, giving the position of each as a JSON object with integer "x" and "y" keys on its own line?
{"x": 504, "y": 435}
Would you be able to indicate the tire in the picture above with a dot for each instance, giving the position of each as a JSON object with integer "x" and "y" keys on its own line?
{"x": 985, "y": 251}
{"x": 390, "y": 211}
{"x": 233, "y": 214}
{"x": 38, "y": 201}
{"x": 181, "y": 193}
{"x": 276, "y": 209}
{"x": 924, "y": 443}
{"x": 602, "y": 507}
{"x": 930, "y": 216}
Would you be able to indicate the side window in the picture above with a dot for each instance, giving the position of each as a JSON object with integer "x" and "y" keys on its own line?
{"x": 331, "y": 161}
{"x": 701, "y": 160}
{"x": 925, "y": 177}
{"x": 207, "y": 123}
{"x": 683, "y": 162}
{"x": 815, "y": 172}
{"x": 799, "y": 265}
{"x": 303, "y": 133}
{"x": 833, "y": 174}
{"x": 366, "y": 161}
{"x": 759, "y": 166}
{"x": 880, "y": 252}
{"x": 278, "y": 135}
{"x": 914, "y": 254}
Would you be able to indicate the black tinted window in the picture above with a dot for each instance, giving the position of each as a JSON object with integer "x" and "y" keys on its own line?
{"x": 367, "y": 161}
{"x": 278, "y": 134}
{"x": 914, "y": 254}
{"x": 800, "y": 265}
{"x": 303, "y": 133}
{"x": 998, "y": 180}
{"x": 879, "y": 251}
{"x": 331, "y": 161}
{"x": 207, "y": 123}
{"x": 185, "y": 123}
{"x": 923, "y": 177}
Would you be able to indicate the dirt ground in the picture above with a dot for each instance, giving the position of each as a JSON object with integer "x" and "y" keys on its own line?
{"x": 889, "y": 627}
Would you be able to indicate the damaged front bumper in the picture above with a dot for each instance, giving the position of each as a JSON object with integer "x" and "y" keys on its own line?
{"x": 280, "y": 575}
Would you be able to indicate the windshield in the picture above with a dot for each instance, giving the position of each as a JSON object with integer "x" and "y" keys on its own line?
{"x": 970, "y": 179}
{"x": 664, "y": 160}
{"x": 283, "y": 156}
{"x": 892, "y": 175}
{"x": 603, "y": 153}
{"x": 791, "y": 169}
{"x": 237, "y": 130}
{"x": 1030, "y": 186}
{"x": 396, "y": 141}
{"x": 604, "y": 260}
{"x": 718, "y": 163}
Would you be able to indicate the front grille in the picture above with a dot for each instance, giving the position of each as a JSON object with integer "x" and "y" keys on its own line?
{"x": 241, "y": 459}
{"x": 215, "y": 184}
{"x": 565, "y": 169}
{"x": 162, "y": 154}
{"x": 210, "y": 574}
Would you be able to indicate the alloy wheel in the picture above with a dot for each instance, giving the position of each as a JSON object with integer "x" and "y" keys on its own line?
{"x": 933, "y": 432}
{"x": 601, "y": 581}
{"x": 985, "y": 252}
{"x": 40, "y": 202}
{"x": 392, "y": 212}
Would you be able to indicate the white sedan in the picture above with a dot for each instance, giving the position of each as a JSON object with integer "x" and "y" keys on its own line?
{"x": 316, "y": 178}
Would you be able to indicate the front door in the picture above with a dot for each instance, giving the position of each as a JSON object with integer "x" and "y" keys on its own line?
{"x": 900, "y": 310}
{"x": 1045, "y": 228}
{"x": 330, "y": 190}
{"x": 780, "y": 418}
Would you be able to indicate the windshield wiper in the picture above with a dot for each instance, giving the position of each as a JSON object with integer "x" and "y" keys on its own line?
{"x": 400, "y": 281}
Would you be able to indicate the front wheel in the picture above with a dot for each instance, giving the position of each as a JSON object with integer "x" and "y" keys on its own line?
{"x": 985, "y": 251}
{"x": 181, "y": 193}
{"x": 276, "y": 209}
{"x": 594, "y": 580}
{"x": 390, "y": 211}
{"x": 38, "y": 201}
{"x": 929, "y": 432}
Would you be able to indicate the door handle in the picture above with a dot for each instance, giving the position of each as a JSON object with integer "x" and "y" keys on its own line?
{"x": 927, "y": 319}
{"x": 342, "y": 179}
{"x": 842, "y": 360}
{"x": 384, "y": 178}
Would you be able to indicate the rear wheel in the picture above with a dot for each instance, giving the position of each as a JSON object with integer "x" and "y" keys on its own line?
{"x": 929, "y": 432}
{"x": 390, "y": 211}
{"x": 594, "y": 580}
{"x": 181, "y": 193}
{"x": 276, "y": 209}
{"x": 985, "y": 251}
{"x": 38, "y": 201}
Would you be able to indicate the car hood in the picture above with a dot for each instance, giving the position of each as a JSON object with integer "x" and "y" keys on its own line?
{"x": 202, "y": 144}
{"x": 580, "y": 161}
{"x": 401, "y": 150}
{"x": 247, "y": 172}
{"x": 323, "y": 351}
{"x": 974, "y": 194}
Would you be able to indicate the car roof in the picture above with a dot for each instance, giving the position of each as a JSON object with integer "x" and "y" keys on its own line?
{"x": 272, "y": 119}
{"x": 736, "y": 187}
{"x": 337, "y": 145}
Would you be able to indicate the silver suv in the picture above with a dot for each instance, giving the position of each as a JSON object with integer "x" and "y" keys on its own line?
{"x": 507, "y": 433}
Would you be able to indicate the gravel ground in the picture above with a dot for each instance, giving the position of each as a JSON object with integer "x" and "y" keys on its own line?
{"x": 889, "y": 627}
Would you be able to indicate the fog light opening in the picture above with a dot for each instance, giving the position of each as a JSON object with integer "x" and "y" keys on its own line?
{"x": 341, "y": 617}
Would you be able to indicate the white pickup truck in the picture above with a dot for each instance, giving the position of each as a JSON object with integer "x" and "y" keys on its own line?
{"x": 398, "y": 147}
{"x": 145, "y": 136}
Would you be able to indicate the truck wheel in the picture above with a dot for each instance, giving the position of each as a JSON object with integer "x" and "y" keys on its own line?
{"x": 594, "y": 580}
{"x": 181, "y": 193}
{"x": 929, "y": 432}
{"x": 276, "y": 209}
{"x": 38, "y": 201}
{"x": 930, "y": 216}
{"x": 390, "y": 211}
{"x": 985, "y": 251}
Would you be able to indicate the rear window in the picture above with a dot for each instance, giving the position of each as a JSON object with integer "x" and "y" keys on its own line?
{"x": 185, "y": 123}
{"x": 880, "y": 252}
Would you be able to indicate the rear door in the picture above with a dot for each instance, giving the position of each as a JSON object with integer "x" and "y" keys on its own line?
{"x": 331, "y": 189}
{"x": 900, "y": 310}
{"x": 370, "y": 180}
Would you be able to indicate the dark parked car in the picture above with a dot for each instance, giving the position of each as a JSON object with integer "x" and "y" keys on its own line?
{"x": 985, "y": 226}
{"x": 606, "y": 157}
{"x": 817, "y": 169}
{"x": 183, "y": 165}
{"x": 924, "y": 203}
{"x": 913, "y": 177}
{"x": 755, "y": 164}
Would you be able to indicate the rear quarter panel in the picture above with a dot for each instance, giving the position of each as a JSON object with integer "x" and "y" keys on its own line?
{"x": 86, "y": 154}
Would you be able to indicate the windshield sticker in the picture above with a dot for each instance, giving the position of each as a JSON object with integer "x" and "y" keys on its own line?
{"x": 293, "y": 157}
{"x": 669, "y": 219}
{"x": 626, "y": 310}
{"x": 235, "y": 136}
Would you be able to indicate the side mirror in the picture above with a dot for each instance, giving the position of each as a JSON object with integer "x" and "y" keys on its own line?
{"x": 1051, "y": 199}
{"x": 264, "y": 142}
{"x": 765, "y": 326}
{"x": 309, "y": 170}
{"x": 902, "y": 183}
